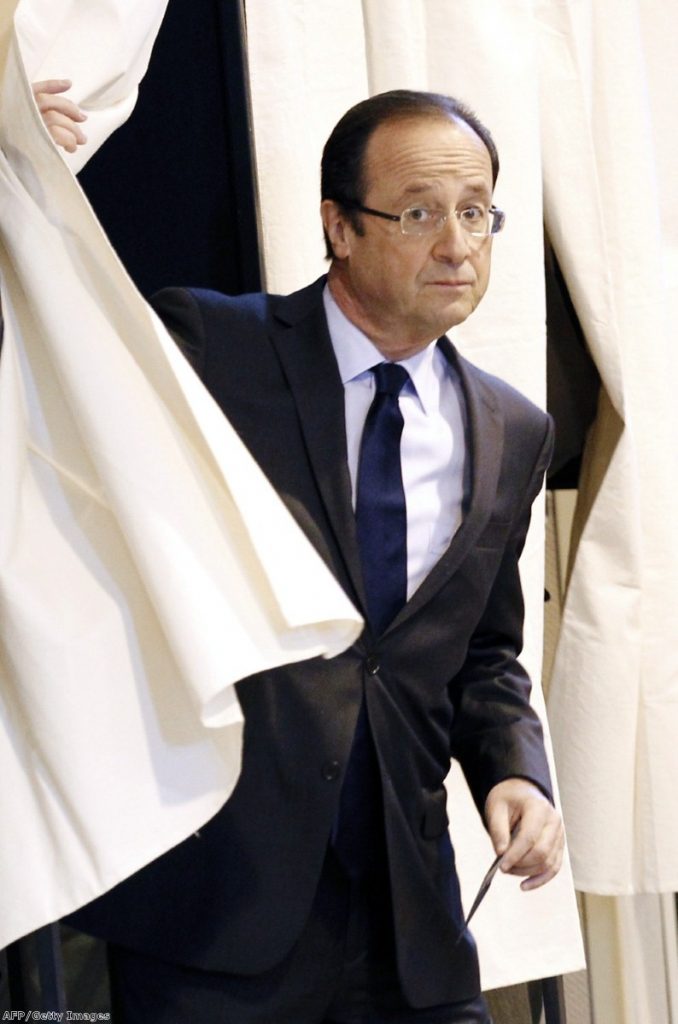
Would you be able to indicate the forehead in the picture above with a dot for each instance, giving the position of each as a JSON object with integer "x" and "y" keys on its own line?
{"x": 404, "y": 157}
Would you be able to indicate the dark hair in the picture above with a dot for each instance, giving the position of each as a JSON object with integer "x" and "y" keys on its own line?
{"x": 343, "y": 156}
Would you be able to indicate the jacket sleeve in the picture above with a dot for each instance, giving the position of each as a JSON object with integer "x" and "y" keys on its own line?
{"x": 496, "y": 734}
{"x": 181, "y": 315}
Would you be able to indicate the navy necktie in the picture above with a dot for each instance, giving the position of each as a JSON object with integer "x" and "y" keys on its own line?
{"x": 381, "y": 523}
{"x": 381, "y": 517}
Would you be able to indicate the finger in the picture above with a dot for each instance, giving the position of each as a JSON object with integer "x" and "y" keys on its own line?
{"x": 65, "y": 138}
{"x": 544, "y": 854}
{"x": 47, "y": 102}
{"x": 58, "y": 124}
{"x": 523, "y": 842}
{"x": 538, "y": 866}
{"x": 52, "y": 85}
{"x": 536, "y": 881}
{"x": 537, "y": 834}
{"x": 547, "y": 870}
{"x": 499, "y": 826}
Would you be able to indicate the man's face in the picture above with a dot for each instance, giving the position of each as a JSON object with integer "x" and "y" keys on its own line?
{"x": 406, "y": 290}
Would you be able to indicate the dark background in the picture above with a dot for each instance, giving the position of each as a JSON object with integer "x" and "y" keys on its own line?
{"x": 173, "y": 187}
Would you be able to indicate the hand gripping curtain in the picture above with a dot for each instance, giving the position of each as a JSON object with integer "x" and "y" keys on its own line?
{"x": 145, "y": 562}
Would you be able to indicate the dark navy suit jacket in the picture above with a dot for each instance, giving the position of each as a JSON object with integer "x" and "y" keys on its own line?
{"x": 442, "y": 681}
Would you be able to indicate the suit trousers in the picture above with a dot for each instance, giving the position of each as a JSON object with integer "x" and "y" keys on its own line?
{"x": 342, "y": 970}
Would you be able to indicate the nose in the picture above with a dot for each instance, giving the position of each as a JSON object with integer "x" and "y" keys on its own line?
{"x": 452, "y": 244}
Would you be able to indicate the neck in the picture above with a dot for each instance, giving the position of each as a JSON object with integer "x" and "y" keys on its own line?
{"x": 385, "y": 337}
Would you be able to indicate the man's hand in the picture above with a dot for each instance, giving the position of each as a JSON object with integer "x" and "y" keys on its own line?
{"x": 526, "y": 829}
{"x": 61, "y": 116}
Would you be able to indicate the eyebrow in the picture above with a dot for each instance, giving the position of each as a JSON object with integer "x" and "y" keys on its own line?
{"x": 417, "y": 190}
{"x": 478, "y": 189}
{"x": 475, "y": 189}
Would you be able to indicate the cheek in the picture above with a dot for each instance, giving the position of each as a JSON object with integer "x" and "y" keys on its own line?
{"x": 483, "y": 271}
{"x": 396, "y": 271}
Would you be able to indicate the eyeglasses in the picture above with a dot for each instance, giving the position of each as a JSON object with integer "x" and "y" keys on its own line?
{"x": 477, "y": 220}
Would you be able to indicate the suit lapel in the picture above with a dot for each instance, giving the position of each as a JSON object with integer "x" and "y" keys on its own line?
{"x": 485, "y": 441}
{"x": 301, "y": 338}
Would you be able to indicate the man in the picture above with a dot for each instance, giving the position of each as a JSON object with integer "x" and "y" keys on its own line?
{"x": 325, "y": 890}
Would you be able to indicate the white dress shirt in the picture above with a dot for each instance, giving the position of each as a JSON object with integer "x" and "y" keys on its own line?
{"x": 433, "y": 445}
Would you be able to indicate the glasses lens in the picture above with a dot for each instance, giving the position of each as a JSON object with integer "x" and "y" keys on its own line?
{"x": 477, "y": 221}
{"x": 421, "y": 220}
{"x": 498, "y": 218}
{"x": 480, "y": 222}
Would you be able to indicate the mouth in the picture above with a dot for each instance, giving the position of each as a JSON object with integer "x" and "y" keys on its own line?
{"x": 451, "y": 284}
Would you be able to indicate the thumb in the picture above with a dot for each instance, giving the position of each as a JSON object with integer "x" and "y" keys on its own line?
{"x": 497, "y": 814}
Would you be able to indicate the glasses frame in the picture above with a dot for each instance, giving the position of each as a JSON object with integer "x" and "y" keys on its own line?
{"x": 498, "y": 218}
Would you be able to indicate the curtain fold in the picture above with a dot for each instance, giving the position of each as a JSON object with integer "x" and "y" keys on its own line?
{"x": 145, "y": 562}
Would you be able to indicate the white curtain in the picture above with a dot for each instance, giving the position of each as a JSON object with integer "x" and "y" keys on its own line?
{"x": 610, "y": 149}
{"x": 145, "y": 562}
{"x": 308, "y": 63}
{"x": 633, "y": 958}
{"x": 609, "y": 155}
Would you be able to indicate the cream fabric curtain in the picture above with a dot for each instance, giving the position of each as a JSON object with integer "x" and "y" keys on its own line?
{"x": 145, "y": 562}
{"x": 609, "y": 150}
{"x": 308, "y": 63}
{"x": 633, "y": 958}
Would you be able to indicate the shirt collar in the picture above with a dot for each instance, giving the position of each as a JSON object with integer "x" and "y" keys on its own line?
{"x": 356, "y": 354}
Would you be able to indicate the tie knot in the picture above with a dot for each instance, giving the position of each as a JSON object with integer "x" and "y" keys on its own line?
{"x": 390, "y": 378}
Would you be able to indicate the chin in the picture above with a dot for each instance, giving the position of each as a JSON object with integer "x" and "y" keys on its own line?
{"x": 458, "y": 314}
{"x": 446, "y": 324}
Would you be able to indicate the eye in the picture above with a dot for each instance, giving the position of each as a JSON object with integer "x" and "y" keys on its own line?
{"x": 420, "y": 214}
{"x": 473, "y": 216}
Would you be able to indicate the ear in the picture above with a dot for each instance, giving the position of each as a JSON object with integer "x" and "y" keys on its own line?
{"x": 338, "y": 228}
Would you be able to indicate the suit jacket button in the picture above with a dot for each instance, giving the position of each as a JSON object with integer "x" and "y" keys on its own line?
{"x": 372, "y": 664}
{"x": 331, "y": 771}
